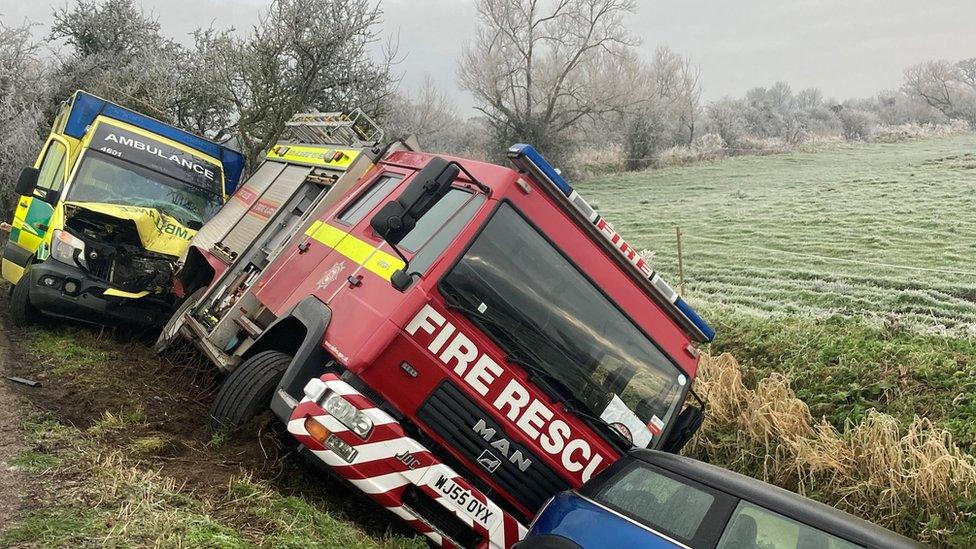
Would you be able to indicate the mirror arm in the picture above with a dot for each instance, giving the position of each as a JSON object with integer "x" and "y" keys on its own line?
{"x": 699, "y": 399}
{"x": 484, "y": 188}
{"x": 396, "y": 250}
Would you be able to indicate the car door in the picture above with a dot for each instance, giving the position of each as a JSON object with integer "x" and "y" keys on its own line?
{"x": 32, "y": 217}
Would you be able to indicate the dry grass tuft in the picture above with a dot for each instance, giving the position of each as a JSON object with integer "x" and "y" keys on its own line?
{"x": 914, "y": 481}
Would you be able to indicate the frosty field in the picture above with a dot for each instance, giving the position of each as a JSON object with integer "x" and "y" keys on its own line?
{"x": 883, "y": 230}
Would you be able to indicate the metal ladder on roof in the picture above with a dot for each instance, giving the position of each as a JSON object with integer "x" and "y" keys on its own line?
{"x": 355, "y": 128}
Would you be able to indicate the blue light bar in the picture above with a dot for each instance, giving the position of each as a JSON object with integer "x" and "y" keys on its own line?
{"x": 528, "y": 160}
{"x": 85, "y": 107}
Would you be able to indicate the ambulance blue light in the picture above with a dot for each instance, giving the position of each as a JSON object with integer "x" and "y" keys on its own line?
{"x": 528, "y": 160}
{"x": 85, "y": 107}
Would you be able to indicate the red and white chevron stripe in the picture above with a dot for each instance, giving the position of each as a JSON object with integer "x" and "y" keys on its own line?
{"x": 377, "y": 472}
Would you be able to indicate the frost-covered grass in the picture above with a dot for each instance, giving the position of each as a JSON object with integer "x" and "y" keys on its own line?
{"x": 909, "y": 203}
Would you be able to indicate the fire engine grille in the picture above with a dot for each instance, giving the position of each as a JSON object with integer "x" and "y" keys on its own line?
{"x": 453, "y": 416}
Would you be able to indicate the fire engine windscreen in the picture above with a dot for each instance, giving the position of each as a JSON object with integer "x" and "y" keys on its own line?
{"x": 109, "y": 180}
{"x": 542, "y": 310}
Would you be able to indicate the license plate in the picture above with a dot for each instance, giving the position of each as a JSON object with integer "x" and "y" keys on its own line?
{"x": 343, "y": 450}
{"x": 463, "y": 499}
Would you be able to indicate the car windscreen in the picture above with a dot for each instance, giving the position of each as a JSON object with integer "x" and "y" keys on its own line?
{"x": 109, "y": 180}
{"x": 553, "y": 320}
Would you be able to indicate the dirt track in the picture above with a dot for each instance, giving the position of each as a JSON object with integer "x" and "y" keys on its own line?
{"x": 11, "y": 480}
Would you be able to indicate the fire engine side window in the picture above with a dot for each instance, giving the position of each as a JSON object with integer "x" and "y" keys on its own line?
{"x": 440, "y": 226}
{"x": 380, "y": 189}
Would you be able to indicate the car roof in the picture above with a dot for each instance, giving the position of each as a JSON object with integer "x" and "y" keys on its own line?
{"x": 784, "y": 502}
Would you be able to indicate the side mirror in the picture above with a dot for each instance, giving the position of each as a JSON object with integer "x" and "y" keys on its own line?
{"x": 27, "y": 181}
{"x": 685, "y": 426}
{"x": 398, "y": 217}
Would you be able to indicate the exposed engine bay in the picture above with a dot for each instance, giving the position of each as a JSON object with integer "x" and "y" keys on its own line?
{"x": 113, "y": 252}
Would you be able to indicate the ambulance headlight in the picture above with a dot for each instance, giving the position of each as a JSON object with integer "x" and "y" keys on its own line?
{"x": 65, "y": 246}
{"x": 348, "y": 415}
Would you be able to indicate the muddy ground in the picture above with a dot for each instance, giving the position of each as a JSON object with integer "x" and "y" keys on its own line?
{"x": 173, "y": 393}
{"x": 11, "y": 479}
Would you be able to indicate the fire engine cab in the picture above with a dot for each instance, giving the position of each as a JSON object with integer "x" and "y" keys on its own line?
{"x": 461, "y": 341}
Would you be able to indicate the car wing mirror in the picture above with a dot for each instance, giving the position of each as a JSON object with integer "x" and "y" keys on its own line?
{"x": 27, "y": 181}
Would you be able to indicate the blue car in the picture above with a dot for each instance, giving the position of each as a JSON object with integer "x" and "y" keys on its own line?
{"x": 658, "y": 500}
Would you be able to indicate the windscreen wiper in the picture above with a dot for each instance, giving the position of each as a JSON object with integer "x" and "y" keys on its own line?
{"x": 554, "y": 384}
{"x": 572, "y": 403}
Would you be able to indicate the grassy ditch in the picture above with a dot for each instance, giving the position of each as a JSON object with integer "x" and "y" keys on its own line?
{"x": 88, "y": 492}
{"x": 913, "y": 480}
{"x": 118, "y": 454}
{"x": 844, "y": 367}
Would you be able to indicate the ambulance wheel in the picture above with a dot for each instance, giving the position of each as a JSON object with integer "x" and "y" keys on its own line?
{"x": 22, "y": 313}
{"x": 246, "y": 393}
{"x": 171, "y": 330}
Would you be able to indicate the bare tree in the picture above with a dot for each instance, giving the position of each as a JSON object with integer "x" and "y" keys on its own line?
{"x": 678, "y": 83}
{"x": 117, "y": 52}
{"x": 22, "y": 98}
{"x": 947, "y": 87}
{"x": 856, "y": 124}
{"x": 933, "y": 81}
{"x": 430, "y": 116}
{"x": 537, "y": 68}
{"x": 725, "y": 118}
{"x": 302, "y": 54}
{"x": 966, "y": 70}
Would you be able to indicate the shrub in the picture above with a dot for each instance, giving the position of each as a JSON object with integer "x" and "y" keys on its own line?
{"x": 912, "y": 480}
{"x": 856, "y": 124}
{"x": 707, "y": 147}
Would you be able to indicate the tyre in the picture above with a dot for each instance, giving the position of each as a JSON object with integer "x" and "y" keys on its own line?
{"x": 171, "y": 330}
{"x": 246, "y": 392}
{"x": 22, "y": 313}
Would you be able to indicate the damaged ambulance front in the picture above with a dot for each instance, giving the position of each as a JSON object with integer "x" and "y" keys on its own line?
{"x": 102, "y": 244}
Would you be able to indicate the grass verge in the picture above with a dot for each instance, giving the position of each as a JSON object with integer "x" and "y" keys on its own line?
{"x": 89, "y": 494}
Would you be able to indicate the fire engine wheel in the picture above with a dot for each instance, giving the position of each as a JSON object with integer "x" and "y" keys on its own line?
{"x": 22, "y": 313}
{"x": 171, "y": 330}
{"x": 246, "y": 392}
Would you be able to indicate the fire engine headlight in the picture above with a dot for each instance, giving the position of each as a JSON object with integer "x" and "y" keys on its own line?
{"x": 348, "y": 415}
{"x": 65, "y": 245}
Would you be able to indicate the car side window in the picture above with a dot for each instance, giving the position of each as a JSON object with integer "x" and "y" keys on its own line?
{"x": 51, "y": 175}
{"x": 665, "y": 504}
{"x": 377, "y": 191}
{"x": 752, "y": 526}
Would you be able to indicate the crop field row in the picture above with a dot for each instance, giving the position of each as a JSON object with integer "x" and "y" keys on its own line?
{"x": 884, "y": 230}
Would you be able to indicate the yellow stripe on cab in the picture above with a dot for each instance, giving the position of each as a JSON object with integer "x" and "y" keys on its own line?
{"x": 360, "y": 251}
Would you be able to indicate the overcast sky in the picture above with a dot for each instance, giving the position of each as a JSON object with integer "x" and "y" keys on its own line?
{"x": 848, "y": 48}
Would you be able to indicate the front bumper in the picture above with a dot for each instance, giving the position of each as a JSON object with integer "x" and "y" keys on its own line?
{"x": 88, "y": 302}
{"x": 392, "y": 468}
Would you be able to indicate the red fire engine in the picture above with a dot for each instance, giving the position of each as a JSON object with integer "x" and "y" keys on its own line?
{"x": 461, "y": 341}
